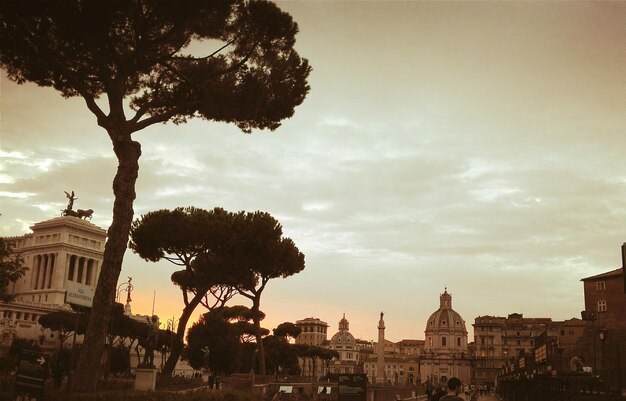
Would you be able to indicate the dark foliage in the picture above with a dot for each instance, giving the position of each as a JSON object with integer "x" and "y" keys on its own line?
{"x": 133, "y": 52}
{"x": 286, "y": 330}
{"x": 280, "y": 356}
{"x": 11, "y": 269}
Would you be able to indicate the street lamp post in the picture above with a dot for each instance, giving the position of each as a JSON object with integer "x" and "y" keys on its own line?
{"x": 128, "y": 287}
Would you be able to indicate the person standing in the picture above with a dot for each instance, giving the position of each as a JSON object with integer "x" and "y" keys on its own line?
{"x": 454, "y": 387}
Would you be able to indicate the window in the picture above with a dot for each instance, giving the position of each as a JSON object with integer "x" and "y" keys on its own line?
{"x": 602, "y": 306}
{"x": 458, "y": 341}
{"x": 600, "y": 286}
{"x": 430, "y": 341}
{"x": 444, "y": 340}
{"x": 505, "y": 353}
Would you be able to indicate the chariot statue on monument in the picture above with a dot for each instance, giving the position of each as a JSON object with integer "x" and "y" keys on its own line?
{"x": 69, "y": 211}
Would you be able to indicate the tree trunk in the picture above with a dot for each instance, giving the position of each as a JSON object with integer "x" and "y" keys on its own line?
{"x": 88, "y": 369}
{"x": 177, "y": 347}
{"x": 259, "y": 340}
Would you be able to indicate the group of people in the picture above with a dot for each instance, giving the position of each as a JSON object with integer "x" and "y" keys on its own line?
{"x": 450, "y": 392}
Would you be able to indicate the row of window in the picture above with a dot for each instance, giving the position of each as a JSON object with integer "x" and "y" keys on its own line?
{"x": 444, "y": 341}
{"x": 313, "y": 329}
{"x": 20, "y": 316}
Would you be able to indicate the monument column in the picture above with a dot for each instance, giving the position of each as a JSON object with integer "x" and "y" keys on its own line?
{"x": 380, "y": 352}
{"x": 60, "y": 271}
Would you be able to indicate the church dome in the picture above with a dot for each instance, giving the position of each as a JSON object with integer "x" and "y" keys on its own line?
{"x": 445, "y": 328}
{"x": 343, "y": 339}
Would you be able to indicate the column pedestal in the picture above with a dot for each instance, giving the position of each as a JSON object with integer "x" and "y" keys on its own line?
{"x": 145, "y": 379}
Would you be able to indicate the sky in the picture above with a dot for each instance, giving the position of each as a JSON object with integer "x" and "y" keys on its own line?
{"x": 477, "y": 146}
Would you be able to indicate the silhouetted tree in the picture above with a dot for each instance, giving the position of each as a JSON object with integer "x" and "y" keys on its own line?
{"x": 286, "y": 330}
{"x": 11, "y": 269}
{"x": 280, "y": 356}
{"x": 214, "y": 333}
{"x": 261, "y": 254}
{"x": 222, "y": 331}
{"x": 133, "y": 52}
{"x": 179, "y": 236}
{"x": 328, "y": 355}
{"x": 64, "y": 322}
{"x": 313, "y": 353}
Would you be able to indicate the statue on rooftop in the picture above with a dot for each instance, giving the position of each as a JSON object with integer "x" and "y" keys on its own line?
{"x": 80, "y": 213}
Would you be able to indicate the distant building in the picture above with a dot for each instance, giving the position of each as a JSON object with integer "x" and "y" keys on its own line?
{"x": 348, "y": 349}
{"x": 445, "y": 350}
{"x": 61, "y": 253}
{"x": 410, "y": 347}
{"x": 499, "y": 340}
{"x": 314, "y": 332}
{"x": 604, "y": 295}
{"x": 604, "y": 343}
{"x": 386, "y": 365}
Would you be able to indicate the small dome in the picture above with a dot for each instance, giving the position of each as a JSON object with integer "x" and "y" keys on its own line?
{"x": 343, "y": 338}
{"x": 445, "y": 318}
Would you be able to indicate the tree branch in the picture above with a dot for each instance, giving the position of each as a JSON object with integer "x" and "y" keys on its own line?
{"x": 205, "y": 57}
{"x": 159, "y": 118}
{"x": 93, "y": 107}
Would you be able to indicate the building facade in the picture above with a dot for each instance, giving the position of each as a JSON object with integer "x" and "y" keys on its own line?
{"x": 314, "y": 332}
{"x": 605, "y": 338}
{"x": 604, "y": 295}
{"x": 60, "y": 254}
{"x": 348, "y": 349}
{"x": 445, "y": 350}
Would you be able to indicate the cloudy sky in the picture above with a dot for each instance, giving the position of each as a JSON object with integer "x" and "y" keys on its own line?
{"x": 478, "y": 146}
